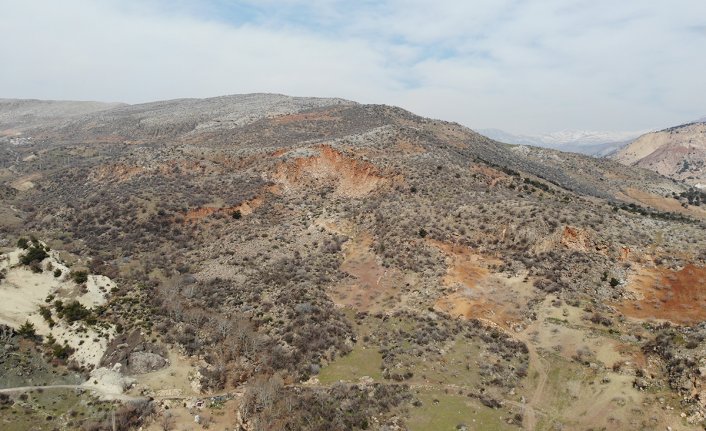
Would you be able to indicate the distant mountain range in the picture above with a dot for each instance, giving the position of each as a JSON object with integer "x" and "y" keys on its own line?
{"x": 592, "y": 143}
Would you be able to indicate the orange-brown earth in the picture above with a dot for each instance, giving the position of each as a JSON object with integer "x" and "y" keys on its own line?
{"x": 663, "y": 294}
{"x": 245, "y": 208}
{"x": 490, "y": 175}
{"x": 406, "y": 146}
{"x": 348, "y": 176}
{"x": 371, "y": 285}
{"x": 576, "y": 239}
{"x": 465, "y": 267}
{"x": 476, "y": 292}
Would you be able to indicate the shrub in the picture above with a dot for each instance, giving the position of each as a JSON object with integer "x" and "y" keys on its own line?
{"x": 34, "y": 253}
{"x": 45, "y": 312}
{"x": 27, "y": 330}
{"x": 23, "y": 243}
{"x": 36, "y": 267}
{"x": 57, "y": 273}
{"x": 79, "y": 277}
{"x": 61, "y": 352}
{"x": 74, "y": 311}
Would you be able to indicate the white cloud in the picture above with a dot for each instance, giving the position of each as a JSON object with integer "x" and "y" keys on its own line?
{"x": 76, "y": 49}
{"x": 521, "y": 65}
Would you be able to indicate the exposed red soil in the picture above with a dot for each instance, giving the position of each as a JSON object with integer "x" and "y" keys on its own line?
{"x": 370, "y": 284}
{"x": 465, "y": 267}
{"x": 405, "y": 146}
{"x": 576, "y": 239}
{"x": 477, "y": 293}
{"x": 489, "y": 175}
{"x": 245, "y": 208}
{"x": 676, "y": 296}
{"x": 348, "y": 176}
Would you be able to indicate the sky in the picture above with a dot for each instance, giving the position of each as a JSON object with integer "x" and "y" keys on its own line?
{"x": 524, "y": 66}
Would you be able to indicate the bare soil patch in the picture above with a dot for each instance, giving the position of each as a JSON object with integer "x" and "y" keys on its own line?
{"x": 245, "y": 208}
{"x": 348, "y": 176}
{"x": 476, "y": 293}
{"x": 663, "y": 294}
{"x": 371, "y": 285}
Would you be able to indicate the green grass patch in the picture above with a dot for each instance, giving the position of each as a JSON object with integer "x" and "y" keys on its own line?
{"x": 360, "y": 362}
{"x": 453, "y": 410}
{"x": 62, "y": 409}
{"x": 458, "y": 365}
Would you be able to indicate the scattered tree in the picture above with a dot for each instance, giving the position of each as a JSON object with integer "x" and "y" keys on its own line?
{"x": 27, "y": 330}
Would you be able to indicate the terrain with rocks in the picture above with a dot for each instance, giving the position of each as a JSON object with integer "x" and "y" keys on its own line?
{"x": 677, "y": 152}
{"x": 263, "y": 262}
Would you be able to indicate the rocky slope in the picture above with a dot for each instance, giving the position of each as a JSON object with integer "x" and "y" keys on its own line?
{"x": 17, "y": 115}
{"x": 678, "y": 152}
{"x": 321, "y": 264}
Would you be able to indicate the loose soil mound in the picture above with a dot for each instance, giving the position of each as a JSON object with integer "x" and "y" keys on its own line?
{"x": 576, "y": 239}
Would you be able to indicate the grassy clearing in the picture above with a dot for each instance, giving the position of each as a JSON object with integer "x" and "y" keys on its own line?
{"x": 453, "y": 410}
{"x": 63, "y": 409}
{"x": 360, "y": 362}
{"x": 23, "y": 365}
{"x": 458, "y": 365}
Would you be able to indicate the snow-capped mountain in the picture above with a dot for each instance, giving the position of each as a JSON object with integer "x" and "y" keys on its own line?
{"x": 595, "y": 143}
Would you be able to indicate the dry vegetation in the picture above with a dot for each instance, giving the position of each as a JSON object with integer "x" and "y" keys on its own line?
{"x": 268, "y": 245}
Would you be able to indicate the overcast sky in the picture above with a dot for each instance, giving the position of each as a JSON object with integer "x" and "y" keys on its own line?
{"x": 525, "y": 66}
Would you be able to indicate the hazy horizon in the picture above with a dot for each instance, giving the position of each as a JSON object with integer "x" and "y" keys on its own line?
{"x": 525, "y": 67}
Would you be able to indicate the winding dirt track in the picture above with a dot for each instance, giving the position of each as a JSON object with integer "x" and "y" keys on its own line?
{"x": 529, "y": 421}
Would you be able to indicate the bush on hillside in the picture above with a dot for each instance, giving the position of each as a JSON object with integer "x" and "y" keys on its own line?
{"x": 79, "y": 277}
{"x": 35, "y": 253}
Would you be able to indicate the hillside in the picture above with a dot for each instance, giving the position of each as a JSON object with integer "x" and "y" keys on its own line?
{"x": 678, "y": 152}
{"x": 17, "y": 116}
{"x": 264, "y": 262}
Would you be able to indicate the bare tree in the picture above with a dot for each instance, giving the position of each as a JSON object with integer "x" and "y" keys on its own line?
{"x": 166, "y": 422}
